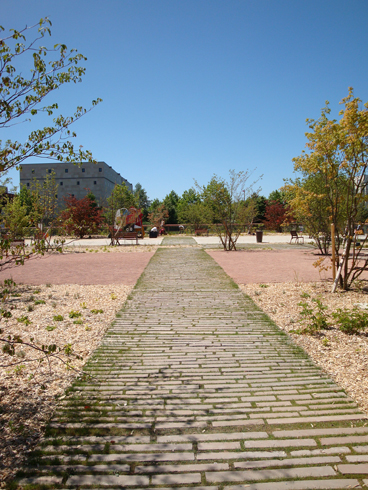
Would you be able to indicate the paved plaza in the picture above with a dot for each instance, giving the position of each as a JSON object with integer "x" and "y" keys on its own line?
{"x": 194, "y": 387}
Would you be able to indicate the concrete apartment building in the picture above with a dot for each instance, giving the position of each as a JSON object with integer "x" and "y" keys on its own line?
{"x": 76, "y": 180}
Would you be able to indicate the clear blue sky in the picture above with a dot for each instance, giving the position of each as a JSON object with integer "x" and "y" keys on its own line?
{"x": 196, "y": 87}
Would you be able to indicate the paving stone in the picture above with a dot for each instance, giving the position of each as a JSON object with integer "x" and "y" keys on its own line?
{"x": 40, "y": 480}
{"x": 323, "y": 418}
{"x": 240, "y": 455}
{"x": 319, "y": 432}
{"x": 230, "y": 476}
{"x": 205, "y": 446}
{"x": 344, "y": 440}
{"x": 300, "y": 485}
{"x": 224, "y": 436}
{"x": 181, "y": 468}
{"x": 351, "y": 469}
{"x": 176, "y": 479}
{"x": 141, "y": 457}
{"x": 287, "y": 462}
{"x": 360, "y": 458}
{"x": 239, "y": 423}
{"x": 107, "y": 480}
{"x": 314, "y": 452}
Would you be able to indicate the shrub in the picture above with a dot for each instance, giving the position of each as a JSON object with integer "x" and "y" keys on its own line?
{"x": 58, "y": 318}
{"x": 351, "y": 321}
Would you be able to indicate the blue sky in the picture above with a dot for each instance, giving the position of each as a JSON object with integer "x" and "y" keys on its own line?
{"x": 196, "y": 87}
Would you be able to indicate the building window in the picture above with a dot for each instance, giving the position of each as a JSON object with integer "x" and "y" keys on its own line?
{"x": 77, "y": 182}
{"x": 66, "y": 170}
{"x": 100, "y": 169}
{"x": 33, "y": 170}
{"x": 27, "y": 184}
{"x": 50, "y": 170}
{"x": 95, "y": 182}
{"x": 83, "y": 169}
{"x": 61, "y": 183}
{"x": 56, "y": 196}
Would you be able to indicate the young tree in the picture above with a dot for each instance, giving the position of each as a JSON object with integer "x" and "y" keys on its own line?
{"x": 225, "y": 199}
{"x": 22, "y": 99}
{"x": 121, "y": 197}
{"x": 170, "y": 203}
{"x": 44, "y": 201}
{"x": 250, "y": 212}
{"x": 276, "y": 215}
{"x": 81, "y": 217}
{"x": 310, "y": 205}
{"x": 188, "y": 198}
{"x": 158, "y": 216}
{"x": 141, "y": 200}
{"x": 197, "y": 213}
{"x": 337, "y": 162}
{"x": 14, "y": 218}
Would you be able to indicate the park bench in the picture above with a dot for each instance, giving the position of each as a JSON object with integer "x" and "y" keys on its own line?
{"x": 14, "y": 243}
{"x": 296, "y": 237}
{"x": 201, "y": 232}
{"x": 116, "y": 236}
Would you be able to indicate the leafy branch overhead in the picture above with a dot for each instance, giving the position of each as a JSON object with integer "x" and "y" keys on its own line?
{"x": 22, "y": 99}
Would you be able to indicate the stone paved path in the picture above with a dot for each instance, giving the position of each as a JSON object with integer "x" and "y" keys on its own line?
{"x": 193, "y": 387}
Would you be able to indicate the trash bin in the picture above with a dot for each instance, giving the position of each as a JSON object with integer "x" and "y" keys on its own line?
{"x": 153, "y": 234}
{"x": 259, "y": 236}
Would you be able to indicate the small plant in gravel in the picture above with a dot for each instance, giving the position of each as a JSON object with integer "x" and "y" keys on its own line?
{"x": 314, "y": 316}
{"x": 84, "y": 306}
{"x": 19, "y": 369}
{"x": 305, "y": 295}
{"x": 36, "y": 291}
{"x": 58, "y": 318}
{"x": 96, "y": 312}
{"x": 50, "y": 328}
{"x": 74, "y": 314}
{"x": 40, "y": 302}
{"x": 78, "y": 322}
{"x": 264, "y": 286}
{"x": 113, "y": 296}
{"x": 24, "y": 319}
{"x": 30, "y": 308}
{"x": 351, "y": 321}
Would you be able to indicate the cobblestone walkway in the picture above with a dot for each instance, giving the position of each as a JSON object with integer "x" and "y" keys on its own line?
{"x": 193, "y": 387}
